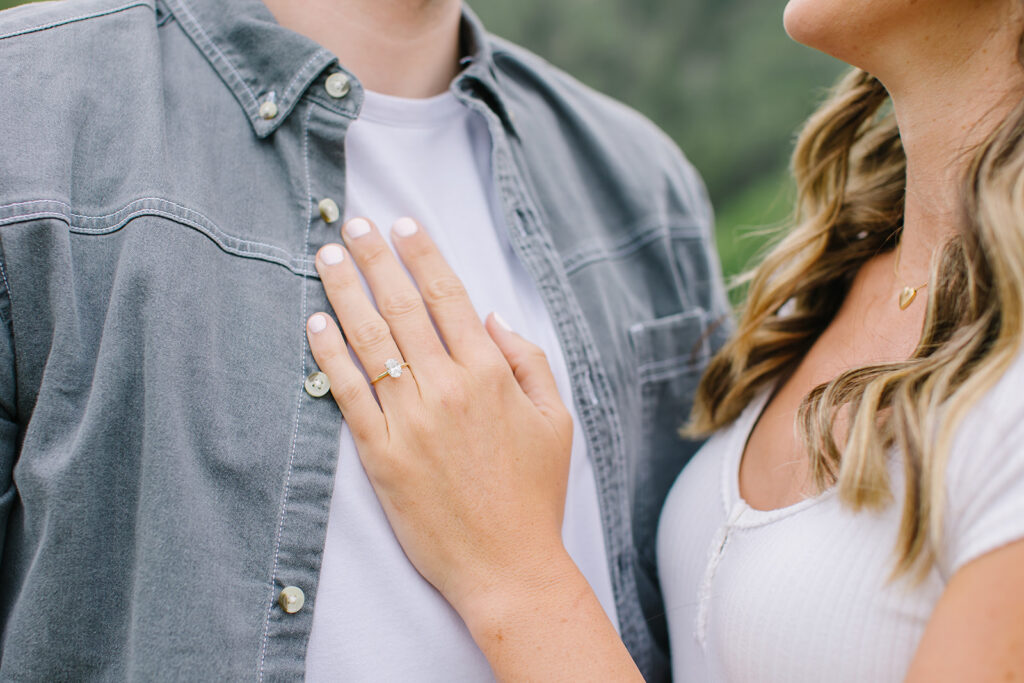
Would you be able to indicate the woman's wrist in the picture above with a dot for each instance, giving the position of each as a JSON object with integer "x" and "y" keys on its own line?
{"x": 536, "y": 578}
{"x": 546, "y": 623}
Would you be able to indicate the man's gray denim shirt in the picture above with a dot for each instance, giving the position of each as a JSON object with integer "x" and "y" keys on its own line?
{"x": 163, "y": 472}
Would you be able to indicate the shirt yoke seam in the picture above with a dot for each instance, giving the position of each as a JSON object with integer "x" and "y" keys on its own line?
{"x": 676, "y": 227}
{"x": 71, "y": 20}
{"x": 242, "y": 247}
{"x": 126, "y": 210}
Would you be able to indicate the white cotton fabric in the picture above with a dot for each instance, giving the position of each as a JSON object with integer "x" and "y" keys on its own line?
{"x": 802, "y": 594}
{"x": 375, "y": 618}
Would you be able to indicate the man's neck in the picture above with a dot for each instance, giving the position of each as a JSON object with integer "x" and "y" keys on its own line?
{"x": 405, "y": 48}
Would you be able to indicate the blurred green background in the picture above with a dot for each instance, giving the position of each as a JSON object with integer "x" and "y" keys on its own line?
{"x": 720, "y": 76}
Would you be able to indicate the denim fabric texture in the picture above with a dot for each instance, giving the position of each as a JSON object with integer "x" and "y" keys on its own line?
{"x": 163, "y": 472}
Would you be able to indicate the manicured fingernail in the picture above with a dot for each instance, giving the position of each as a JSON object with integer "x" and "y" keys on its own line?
{"x": 404, "y": 227}
{"x": 357, "y": 227}
{"x": 318, "y": 323}
{"x": 501, "y": 321}
{"x": 332, "y": 254}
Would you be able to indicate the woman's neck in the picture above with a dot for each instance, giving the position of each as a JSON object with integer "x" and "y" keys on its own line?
{"x": 406, "y": 48}
{"x": 946, "y": 105}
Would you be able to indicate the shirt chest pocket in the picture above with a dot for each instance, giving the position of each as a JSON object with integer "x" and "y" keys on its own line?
{"x": 669, "y": 356}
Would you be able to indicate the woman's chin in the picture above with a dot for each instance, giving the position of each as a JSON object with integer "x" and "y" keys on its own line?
{"x": 827, "y": 26}
{"x": 809, "y": 23}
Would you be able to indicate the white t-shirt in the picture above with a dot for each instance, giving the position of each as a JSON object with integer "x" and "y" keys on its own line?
{"x": 802, "y": 594}
{"x": 375, "y": 618}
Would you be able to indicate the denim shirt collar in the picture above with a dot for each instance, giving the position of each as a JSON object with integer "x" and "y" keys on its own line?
{"x": 260, "y": 60}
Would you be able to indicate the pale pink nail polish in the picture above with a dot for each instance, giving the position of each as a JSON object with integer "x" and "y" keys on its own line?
{"x": 357, "y": 227}
{"x": 501, "y": 321}
{"x": 404, "y": 227}
{"x": 332, "y": 254}
{"x": 318, "y": 323}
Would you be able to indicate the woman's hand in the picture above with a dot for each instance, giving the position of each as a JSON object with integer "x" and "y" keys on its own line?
{"x": 469, "y": 448}
{"x": 468, "y": 452}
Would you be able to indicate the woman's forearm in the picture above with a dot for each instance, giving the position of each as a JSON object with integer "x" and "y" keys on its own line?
{"x": 549, "y": 626}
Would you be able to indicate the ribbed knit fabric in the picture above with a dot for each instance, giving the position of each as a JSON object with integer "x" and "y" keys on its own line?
{"x": 803, "y": 593}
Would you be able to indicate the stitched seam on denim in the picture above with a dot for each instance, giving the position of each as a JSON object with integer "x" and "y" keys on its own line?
{"x": 618, "y": 545}
{"x": 670, "y": 321}
{"x": 685, "y": 359}
{"x": 655, "y": 375}
{"x": 298, "y": 408}
{"x": 205, "y": 224}
{"x": 126, "y": 210}
{"x": 34, "y": 201}
{"x": 631, "y": 618}
{"x": 674, "y": 223}
{"x": 579, "y": 259}
{"x": 609, "y": 495}
{"x": 566, "y": 327}
{"x": 303, "y": 266}
{"x": 308, "y": 66}
{"x": 660, "y": 369}
{"x": 20, "y": 218}
{"x": 252, "y": 106}
{"x": 217, "y": 238}
{"x": 83, "y": 17}
{"x": 584, "y": 257}
{"x": 585, "y": 368}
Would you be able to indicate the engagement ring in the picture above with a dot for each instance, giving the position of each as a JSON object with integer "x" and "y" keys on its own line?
{"x": 394, "y": 369}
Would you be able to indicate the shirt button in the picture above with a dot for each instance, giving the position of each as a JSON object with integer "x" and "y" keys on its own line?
{"x": 291, "y": 599}
{"x": 268, "y": 110}
{"x": 329, "y": 210}
{"x": 337, "y": 85}
{"x": 317, "y": 384}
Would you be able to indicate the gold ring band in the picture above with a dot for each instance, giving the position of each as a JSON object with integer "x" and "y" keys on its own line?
{"x": 394, "y": 369}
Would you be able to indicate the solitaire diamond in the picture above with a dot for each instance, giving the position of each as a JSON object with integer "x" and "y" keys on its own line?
{"x": 394, "y": 367}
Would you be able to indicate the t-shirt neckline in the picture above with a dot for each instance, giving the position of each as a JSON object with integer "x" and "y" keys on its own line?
{"x": 407, "y": 112}
{"x": 735, "y": 505}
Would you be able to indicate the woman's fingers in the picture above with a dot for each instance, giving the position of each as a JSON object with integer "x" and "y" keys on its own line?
{"x": 348, "y": 385}
{"x": 398, "y": 300}
{"x": 366, "y": 331}
{"x": 532, "y": 371}
{"x": 444, "y": 294}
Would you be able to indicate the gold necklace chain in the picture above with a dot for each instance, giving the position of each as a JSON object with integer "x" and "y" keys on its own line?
{"x": 908, "y": 293}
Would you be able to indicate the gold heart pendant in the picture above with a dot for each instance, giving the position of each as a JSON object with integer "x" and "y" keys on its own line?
{"x": 907, "y": 297}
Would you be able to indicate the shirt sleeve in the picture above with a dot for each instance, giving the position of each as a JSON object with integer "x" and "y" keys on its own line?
{"x": 984, "y": 485}
{"x": 8, "y": 413}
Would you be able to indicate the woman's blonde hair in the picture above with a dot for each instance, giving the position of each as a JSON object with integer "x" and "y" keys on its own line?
{"x": 850, "y": 170}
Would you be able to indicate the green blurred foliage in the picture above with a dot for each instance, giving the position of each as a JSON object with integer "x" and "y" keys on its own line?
{"x": 720, "y": 76}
